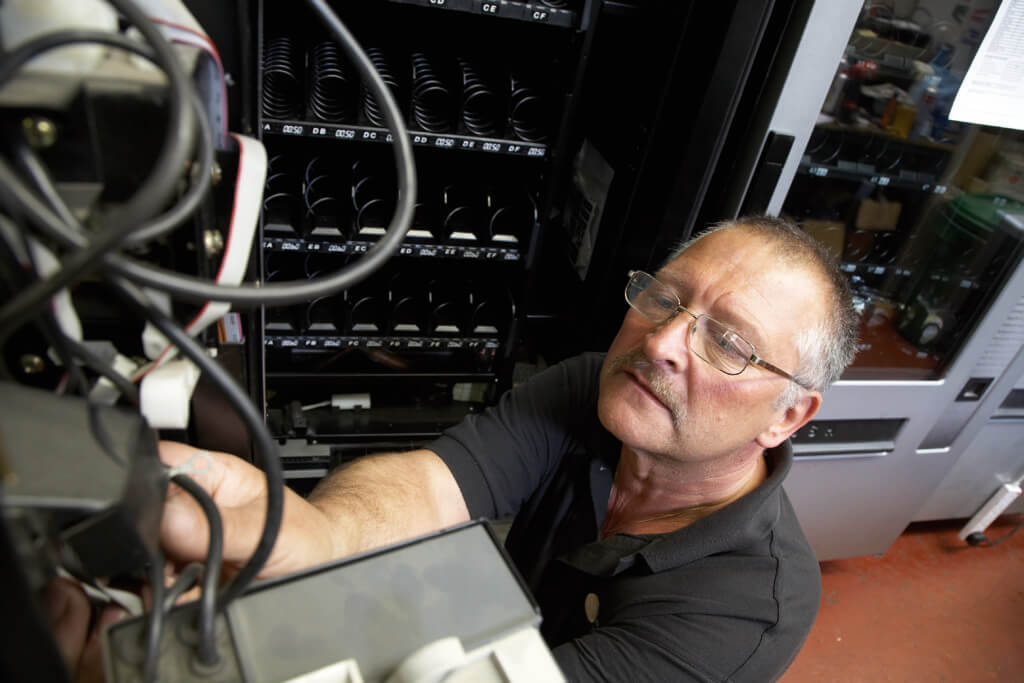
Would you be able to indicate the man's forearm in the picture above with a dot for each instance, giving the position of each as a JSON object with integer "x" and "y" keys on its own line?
{"x": 387, "y": 498}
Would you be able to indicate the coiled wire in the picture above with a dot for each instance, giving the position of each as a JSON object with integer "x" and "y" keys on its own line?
{"x": 332, "y": 87}
{"x": 481, "y": 106}
{"x": 282, "y": 85}
{"x": 431, "y": 96}
{"x": 371, "y": 108}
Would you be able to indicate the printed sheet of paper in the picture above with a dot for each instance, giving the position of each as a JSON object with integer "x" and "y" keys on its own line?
{"x": 992, "y": 93}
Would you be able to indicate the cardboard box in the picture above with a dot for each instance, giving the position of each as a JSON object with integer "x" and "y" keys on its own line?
{"x": 832, "y": 234}
{"x": 878, "y": 216}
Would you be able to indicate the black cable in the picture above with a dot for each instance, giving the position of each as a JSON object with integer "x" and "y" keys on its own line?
{"x": 159, "y": 185}
{"x": 186, "y": 205}
{"x": 980, "y": 540}
{"x": 16, "y": 311}
{"x": 197, "y": 290}
{"x": 128, "y": 390}
{"x": 186, "y": 579}
{"x": 211, "y": 573}
{"x": 155, "y": 627}
{"x": 266, "y": 447}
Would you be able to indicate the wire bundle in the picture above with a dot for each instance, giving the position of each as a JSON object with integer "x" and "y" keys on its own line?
{"x": 282, "y": 86}
{"x": 332, "y": 88}
{"x": 432, "y": 99}
{"x": 29, "y": 195}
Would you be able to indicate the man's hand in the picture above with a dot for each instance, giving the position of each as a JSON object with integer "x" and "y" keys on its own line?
{"x": 70, "y": 613}
{"x": 240, "y": 493}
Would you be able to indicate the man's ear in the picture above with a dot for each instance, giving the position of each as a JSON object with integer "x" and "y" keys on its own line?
{"x": 792, "y": 419}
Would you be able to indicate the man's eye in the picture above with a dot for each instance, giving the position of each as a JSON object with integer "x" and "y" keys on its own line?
{"x": 724, "y": 342}
{"x": 664, "y": 301}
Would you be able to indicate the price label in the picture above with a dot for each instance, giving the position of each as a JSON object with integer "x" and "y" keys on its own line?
{"x": 881, "y": 180}
{"x": 819, "y": 171}
{"x": 535, "y": 152}
{"x": 491, "y": 147}
{"x": 444, "y": 142}
{"x": 292, "y": 129}
{"x": 345, "y": 134}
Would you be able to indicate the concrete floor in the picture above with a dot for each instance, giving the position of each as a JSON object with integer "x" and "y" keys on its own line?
{"x": 930, "y": 609}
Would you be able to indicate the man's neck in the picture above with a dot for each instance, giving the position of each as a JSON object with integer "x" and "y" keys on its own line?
{"x": 657, "y": 495}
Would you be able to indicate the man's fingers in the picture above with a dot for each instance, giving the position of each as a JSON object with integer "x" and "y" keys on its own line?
{"x": 229, "y": 480}
{"x": 185, "y": 531}
{"x": 69, "y": 611}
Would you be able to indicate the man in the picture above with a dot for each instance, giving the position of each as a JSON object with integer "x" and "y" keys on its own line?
{"x": 650, "y": 520}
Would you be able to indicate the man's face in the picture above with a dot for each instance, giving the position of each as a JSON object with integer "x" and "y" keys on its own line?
{"x": 657, "y": 397}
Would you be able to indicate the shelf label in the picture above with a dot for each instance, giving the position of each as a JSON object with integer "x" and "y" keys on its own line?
{"x": 819, "y": 171}
{"x": 881, "y": 180}
{"x": 292, "y": 129}
{"x": 444, "y": 142}
{"x": 490, "y": 147}
{"x": 345, "y": 134}
{"x": 535, "y": 152}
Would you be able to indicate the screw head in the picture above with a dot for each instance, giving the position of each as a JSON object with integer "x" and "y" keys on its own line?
{"x": 39, "y": 132}
{"x": 32, "y": 364}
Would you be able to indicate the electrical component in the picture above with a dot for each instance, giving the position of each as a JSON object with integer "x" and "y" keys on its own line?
{"x": 104, "y": 505}
{"x": 993, "y": 507}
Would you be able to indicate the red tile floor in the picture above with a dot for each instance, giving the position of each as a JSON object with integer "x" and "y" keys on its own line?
{"x": 930, "y": 609}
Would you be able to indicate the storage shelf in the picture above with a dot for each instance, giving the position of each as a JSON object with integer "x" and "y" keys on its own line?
{"x": 467, "y": 252}
{"x": 532, "y": 12}
{"x": 469, "y": 143}
{"x": 872, "y": 131}
{"x": 372, "y": 376}
{"x": 908, "y": 180}
{"x": 295, "y": 341}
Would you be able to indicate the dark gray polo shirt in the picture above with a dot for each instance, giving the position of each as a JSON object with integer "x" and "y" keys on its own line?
{"x": 730, "y": 597}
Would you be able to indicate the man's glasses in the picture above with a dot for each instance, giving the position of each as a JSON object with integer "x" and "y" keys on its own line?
{"x": 714, "y": 343}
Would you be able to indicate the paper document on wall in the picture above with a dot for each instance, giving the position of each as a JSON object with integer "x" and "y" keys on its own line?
{"x": 992, "y": 93}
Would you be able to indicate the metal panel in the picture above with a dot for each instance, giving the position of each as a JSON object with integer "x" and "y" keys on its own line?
{"x": 828, "y": 28}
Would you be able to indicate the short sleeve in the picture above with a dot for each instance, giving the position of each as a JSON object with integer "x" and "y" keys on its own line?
{"x": 501, "y": 456}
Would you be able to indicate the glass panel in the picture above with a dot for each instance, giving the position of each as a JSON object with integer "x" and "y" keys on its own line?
{"x": 909, "y": 200}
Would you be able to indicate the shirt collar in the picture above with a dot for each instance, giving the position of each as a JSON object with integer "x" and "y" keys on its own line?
{"x": 731, "y": 527}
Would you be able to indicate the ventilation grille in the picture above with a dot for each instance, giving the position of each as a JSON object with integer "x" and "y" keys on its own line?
{"x": 1005, "y": 344}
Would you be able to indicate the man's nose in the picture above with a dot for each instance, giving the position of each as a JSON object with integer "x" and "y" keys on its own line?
{"x": 667, "y": 342}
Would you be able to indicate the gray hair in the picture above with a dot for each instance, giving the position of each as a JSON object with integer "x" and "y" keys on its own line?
{"x": 829, "y": 346}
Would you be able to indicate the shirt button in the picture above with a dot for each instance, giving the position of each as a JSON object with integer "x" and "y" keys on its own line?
{"x": 591, "y": 605}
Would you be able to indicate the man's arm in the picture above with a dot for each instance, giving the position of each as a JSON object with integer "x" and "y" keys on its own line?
{"x": 386, "y": 498}
{"x": 369, "y": 503}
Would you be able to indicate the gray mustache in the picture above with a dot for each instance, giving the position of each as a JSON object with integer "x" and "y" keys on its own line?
{"x": 657, "y": 379}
